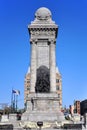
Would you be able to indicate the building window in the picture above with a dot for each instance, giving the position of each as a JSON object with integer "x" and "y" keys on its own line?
{"x": 28, "y": 88}
{"x": 57, "y": 87}
{"x": 28, "y": 81}
{"x": 57, "y": 80}
{"x": 58, "y": 95}
{"x": 26, "y": 95}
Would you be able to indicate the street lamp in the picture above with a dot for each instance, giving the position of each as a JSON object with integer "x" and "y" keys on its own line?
{"x": 40, "y": 124}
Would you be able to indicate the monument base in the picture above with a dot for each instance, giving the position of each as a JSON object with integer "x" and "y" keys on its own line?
{"x": 43, "y": 108}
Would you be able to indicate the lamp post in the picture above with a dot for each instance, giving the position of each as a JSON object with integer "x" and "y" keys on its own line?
{"x": 40, "y": 124}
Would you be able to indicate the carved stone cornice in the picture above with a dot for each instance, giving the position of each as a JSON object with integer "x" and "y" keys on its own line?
{"x": 51, "y": 41}
{"x": 39, "y": 32}
{"x": 33, "y": 41}
{"x": 43, "y": 26}
{"x": 45, "y": 32}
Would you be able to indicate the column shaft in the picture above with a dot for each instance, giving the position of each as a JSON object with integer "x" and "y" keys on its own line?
{"x": 33, "y": 67}
{"x": 52, "y": 67}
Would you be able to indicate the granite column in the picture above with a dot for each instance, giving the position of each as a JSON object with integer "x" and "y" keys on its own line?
{"x": 33, "y": 66}
{"x": 52, "y": 66}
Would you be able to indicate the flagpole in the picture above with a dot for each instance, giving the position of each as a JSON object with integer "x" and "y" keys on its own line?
{"x": 16, "y": 102}
{"x": 12, "y": 100}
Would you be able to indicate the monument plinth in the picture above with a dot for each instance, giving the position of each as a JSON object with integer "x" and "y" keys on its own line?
{"x": 42, "y": 101}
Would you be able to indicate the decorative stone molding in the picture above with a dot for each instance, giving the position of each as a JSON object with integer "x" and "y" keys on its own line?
{"x": 34, "y": 125}
{"x": 40, "y": 32}
{"x": 52, "y": 41}
{"x": 33, "y": 41}
{"x": 43, "y": 31}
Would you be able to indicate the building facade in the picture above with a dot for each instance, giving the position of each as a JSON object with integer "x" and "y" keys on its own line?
{"x": 83, "y": 106}
{"x": 77, "y": 107}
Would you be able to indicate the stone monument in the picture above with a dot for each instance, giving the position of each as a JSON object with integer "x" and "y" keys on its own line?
{"x": 42, "y": 110}
{"x": 42, "y": 101}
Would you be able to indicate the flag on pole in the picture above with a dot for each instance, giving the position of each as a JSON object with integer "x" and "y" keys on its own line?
{"x": 17, "y": 92}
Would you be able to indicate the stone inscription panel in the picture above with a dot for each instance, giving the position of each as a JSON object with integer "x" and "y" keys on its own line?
{"x": 42, "y": 54}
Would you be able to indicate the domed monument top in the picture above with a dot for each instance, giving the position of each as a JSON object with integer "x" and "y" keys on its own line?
{"x": 43, "y": 13}
{"x": 43, "y": 16}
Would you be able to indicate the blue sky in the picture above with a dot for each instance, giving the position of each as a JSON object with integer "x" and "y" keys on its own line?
{"x": 71, "y": 46}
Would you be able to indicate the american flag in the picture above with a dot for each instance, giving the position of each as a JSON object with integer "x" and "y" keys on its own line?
{"x": 17, "y": 92}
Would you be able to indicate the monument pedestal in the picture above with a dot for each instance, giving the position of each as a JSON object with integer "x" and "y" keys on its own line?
{"x": 4, "y": 118}
{"x": 43, "y": 107}
{"x": 12, "y": 117}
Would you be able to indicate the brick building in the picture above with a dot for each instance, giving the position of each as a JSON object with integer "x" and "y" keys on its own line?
{"x": 77, "y": 107}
